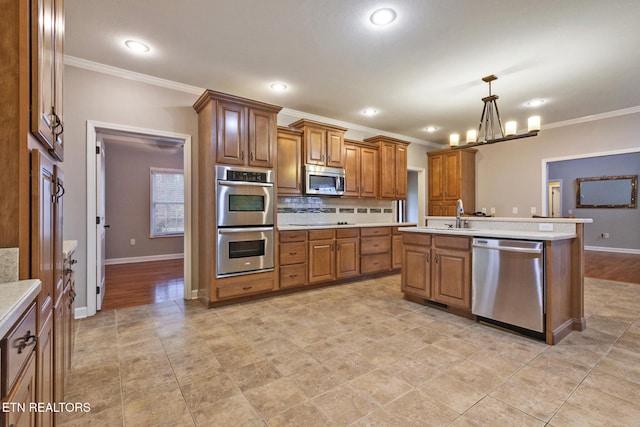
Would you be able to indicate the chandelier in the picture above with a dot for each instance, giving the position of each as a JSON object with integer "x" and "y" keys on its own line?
{"x": 490, "y": 129}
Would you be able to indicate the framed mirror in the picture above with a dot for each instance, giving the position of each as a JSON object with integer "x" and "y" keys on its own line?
{"x": 607, "y": 192}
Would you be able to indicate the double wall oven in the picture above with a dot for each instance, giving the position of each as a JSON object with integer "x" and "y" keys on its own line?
{"x": 244, "y": 215}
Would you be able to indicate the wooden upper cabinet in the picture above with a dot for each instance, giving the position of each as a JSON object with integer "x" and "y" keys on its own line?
{"x": 451, "y": 177}
{"x": 351, "y": 170}
{"x": 242, "y": 132}
{"x": 323, "y": 144}
{"x": 369, "y": 172}
{"x": 47, "y": 54}
{"x": 361, "y": 169}
{"x": 289, "y": 169}
{"x": 393, "y": 167}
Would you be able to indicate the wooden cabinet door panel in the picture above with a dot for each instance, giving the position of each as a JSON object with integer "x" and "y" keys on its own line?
{"x": 24, "y": 393}
{"x": 452, "y": 278}
{"x": 436, "y": 185}
{"x": 347, "y": 257}
{"x": 335, "y": 149}
{"x": 315, "y": 146}
{"x": 261, "y": 141}
{"x": 352, "y": 171}
{"x": 368, "y": 172}
{"x": 293, "y": 253}
{"x": 388, "y": 172}
{"x": 401, "y": 173}
{"x": 452, "y": 178}
{"x": 46, "y": 373}
{"x": 416, "y": 271}
{"x": 289, "y": 169}
{"x": 396, "y": 251}
{"x": 321, "y": 261}
{"x": 231, "y": 145}
{"x": 58, "y": 86}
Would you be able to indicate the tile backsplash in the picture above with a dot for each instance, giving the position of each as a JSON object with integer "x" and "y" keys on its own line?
{"x": 316, "y": 210}
{"x": 8, "y": 264}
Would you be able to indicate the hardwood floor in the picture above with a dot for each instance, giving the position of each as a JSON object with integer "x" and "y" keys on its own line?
{"x": 129, "y": 285}
{"x": 612, "y": 266}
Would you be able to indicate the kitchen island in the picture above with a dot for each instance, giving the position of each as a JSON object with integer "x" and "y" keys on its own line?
{"x": 437, "y": 264}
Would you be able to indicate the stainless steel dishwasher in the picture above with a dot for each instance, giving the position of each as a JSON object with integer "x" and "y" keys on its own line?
{"x": 508, "y": 286}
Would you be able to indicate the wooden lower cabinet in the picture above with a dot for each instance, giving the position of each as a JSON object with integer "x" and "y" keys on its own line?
{"x": 46, "y": 369}
{"x": 375, "y": 250}
{"x": 438, "y": 268}
{"x": 321, "y": 260}
{"x": 347, "y": 253}
{"x": 23, "y": 393}
{"x": 396, "y": 249}
{"x": 292, "y": 256}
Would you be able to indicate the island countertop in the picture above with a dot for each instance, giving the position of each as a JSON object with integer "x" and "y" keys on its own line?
{"x": 320, "y": 225}
{"x": 15, "y": 297}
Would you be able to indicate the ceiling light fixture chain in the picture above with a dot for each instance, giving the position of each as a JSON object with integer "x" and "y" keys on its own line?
{"x": 490, "y": 129}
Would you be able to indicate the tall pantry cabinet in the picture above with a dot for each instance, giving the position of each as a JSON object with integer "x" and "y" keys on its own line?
{"x": 452, "y": 176}
{"x": 31, "y": 151}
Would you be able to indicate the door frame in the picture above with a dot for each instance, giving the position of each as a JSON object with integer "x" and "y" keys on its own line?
{"x": 551, "y": 184}
{"x": 93, "y": 127}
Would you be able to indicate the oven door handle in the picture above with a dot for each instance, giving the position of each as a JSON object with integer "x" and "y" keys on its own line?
{"x": 245, "y": 184}
{"x": 243, "y": 230}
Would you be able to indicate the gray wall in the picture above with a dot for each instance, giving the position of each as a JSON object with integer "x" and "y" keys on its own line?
{"x": 128, "y": 199}
{"x": 623, "y": 225}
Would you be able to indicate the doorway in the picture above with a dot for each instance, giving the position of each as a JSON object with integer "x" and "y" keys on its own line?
{"x": 554, "y": 193}
{"x": 415, "y": 206}
{"x": 95, "y": 180}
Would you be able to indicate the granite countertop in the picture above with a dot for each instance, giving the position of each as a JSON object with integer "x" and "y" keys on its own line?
{"x": 15, "y": 297}
{"x": 321, "y": 225}
{"x": 504, "y": 234}
{"x": 68, "y": 248}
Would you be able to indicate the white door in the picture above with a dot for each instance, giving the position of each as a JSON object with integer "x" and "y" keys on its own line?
{"x": 555, "y": 199}
{"x": 100, "y": 220}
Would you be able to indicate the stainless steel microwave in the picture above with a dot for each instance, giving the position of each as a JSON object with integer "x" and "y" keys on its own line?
{"x": 323, "y": 181}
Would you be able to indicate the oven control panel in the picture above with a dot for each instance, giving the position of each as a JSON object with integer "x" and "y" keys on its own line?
{"x": 246, "y": 176}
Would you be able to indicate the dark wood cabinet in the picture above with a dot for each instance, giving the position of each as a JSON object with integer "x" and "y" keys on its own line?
{"x": 289, "y": 165}
{"x": 451, "y": 176}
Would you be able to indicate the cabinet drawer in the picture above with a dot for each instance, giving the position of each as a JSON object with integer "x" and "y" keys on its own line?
{"x": 249, "y": 287}
{"x": 375, "y": 245}
{"x": 293, "y": 275}
{"x": 17, "y": 347}
{"x": 293, "y": 253}
{"x": 343, "y": 233}
{"x": 375, "y": 231}
{"x": 375, "y": 263}
{"x": 452, "y": 242}
{"x": 293, "y": 236}
{"x": 416, "y": 239}
{"x": 321, "y": 234}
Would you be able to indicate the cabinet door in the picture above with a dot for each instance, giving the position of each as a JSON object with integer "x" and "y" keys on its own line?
{"x": 58, "y": 268}
{"x": 416, "y": 271}
{"x": 436, "y": 184}
{"x": 24, "y": 392}
{"x": 315, "y": 141}
{"x": 59, "y": 363}
{"x": 452, "y": 278}
{"x": 388, "y": 172}
{"x": 231, "y": 138}
{"x": 42, "y": 71}
{"x": 368, "y": 172}
{"x": 46, "y": 372}
{"x": 321, "y": 261}
{"x": 347, "y": 257}
{"x": 261, "y": 138}
{"x": 352, "y": 171}
{"x": 43, "y": 189}
{"x": 401, "y": 172}
{"x": 289, "y": 169}
{"x": 335, "y": 149}
{"x": 58, "y": 68}
{"x": 396, "y": 251}
{"x": 451, "y": 176}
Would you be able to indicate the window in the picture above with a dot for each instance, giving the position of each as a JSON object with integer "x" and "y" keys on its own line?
{"x": 167, "y": 202}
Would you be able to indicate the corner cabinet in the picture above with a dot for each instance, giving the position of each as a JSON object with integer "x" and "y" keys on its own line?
{"x": 289, "y": 169}
{"x": 451, "y": 177}
{"x": 392, "y": 166}
{"x": 240, "y": 131}
{"x": 47, "y": 56}
{"x": 323, "y": 144}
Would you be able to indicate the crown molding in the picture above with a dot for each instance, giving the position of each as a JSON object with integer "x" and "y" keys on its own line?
{"x": 594, "y": 117}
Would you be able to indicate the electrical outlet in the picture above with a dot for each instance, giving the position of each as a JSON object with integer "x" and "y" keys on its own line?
{"x": 515, "y": 210}
{"x": 133, "y": 242}
{"x": 484, "y": 211}
{"x": 493, "y": 210}
{"x": 605, "y": 235}
{"x": 533, "y": 209}
{"x": 570, "y": 211}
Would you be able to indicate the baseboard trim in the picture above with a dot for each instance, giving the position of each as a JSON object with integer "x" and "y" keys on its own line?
{"x": 80, "y": 313}
{"x": 194, "y": 294}
{"x": 616, "y": 250}
{"x": 132, "y": 260}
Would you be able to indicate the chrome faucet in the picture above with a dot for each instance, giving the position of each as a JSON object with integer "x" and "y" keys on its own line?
{"x": 459, "y": 211}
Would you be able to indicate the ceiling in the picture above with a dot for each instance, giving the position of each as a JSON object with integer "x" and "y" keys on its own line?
{"x": 425, "y": 68}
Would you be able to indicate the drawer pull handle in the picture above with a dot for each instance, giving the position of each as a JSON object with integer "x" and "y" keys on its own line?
{"x": 293, "y": 253}
{"x": 291, "y": 276}
{"x": 376, "y": 263}
{"x": 376, "y": 245}
{"x": 246, "y": 288}
{"x": 293, "y": 236}
{"x": 28, "y": 340}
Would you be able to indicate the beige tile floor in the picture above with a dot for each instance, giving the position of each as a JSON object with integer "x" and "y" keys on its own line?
{"x": 353, "y": 355}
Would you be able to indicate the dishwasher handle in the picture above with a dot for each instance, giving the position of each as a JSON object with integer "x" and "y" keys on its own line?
{"x": 508, "y": 249}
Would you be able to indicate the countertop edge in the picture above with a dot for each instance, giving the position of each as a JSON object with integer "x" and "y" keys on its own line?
{"x": 514, "y": 219}
{"x": 16, "y": 297}
{"x": 68, "y": 248}
{"x": 318, "y": 227}
{"x": 506, "y": 234}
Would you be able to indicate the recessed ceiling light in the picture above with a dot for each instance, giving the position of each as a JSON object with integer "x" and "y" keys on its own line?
{"x": 383, "y": 16}
{"x": 137, "y": 46}
{"x": 370, "y": 112}
{"x": 431, "y": 128}
{"x": 535, "y": 102}
{"x": 278, "y": 87}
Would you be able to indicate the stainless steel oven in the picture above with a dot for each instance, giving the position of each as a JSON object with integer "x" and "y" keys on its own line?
{"x": 244, "y": 250}
{"x": 244, "y": 197}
